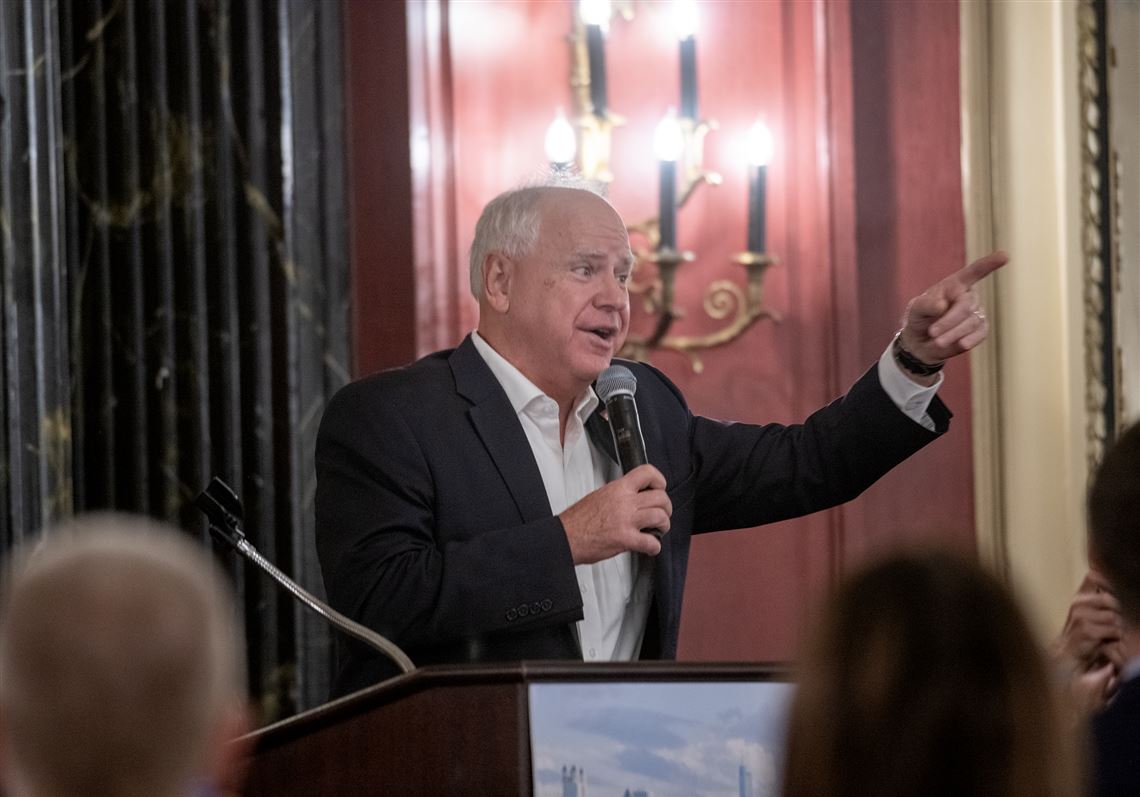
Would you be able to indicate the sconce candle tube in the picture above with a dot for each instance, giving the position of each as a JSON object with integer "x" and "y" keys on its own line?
{"x": 689, "y": 78}
{"x": 667, "y": 207}
{"x": 596, "y": 55}
{"x": 757, "y": 185}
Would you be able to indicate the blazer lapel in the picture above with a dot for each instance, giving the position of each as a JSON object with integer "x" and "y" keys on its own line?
{"x": 499, "y": 429}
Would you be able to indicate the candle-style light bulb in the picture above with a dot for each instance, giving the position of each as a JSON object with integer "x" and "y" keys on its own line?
{"x": 668, "y": 140}
{"x": 595, "y": 12}
{"x": 560, "y": 144}
{"x": 668, "y": 144}
{"x": 685, "y": 18}
{"x": 761, "y": 145}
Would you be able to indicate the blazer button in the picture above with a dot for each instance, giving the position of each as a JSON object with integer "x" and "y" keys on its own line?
{"x": 512, "y": 614}
{"x": 546, "y": 604}
{"x": 524, "y": 610}
{"x": 535, "y": 608}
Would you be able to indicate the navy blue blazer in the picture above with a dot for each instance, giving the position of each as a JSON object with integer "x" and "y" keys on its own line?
{"x": 1116, "y": 744}
{"x": 433, "y": 525}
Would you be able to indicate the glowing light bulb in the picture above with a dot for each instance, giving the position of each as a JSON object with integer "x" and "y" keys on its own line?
{"x": 668, "y": 140}
{"x": 761, "y": 145}
{"x": 595, "y": 12}
{"x": 560, "y": 144}
{"x": 685, "y": 18}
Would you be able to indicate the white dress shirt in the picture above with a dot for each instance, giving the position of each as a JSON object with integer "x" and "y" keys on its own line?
{"x": 616, "y": 592}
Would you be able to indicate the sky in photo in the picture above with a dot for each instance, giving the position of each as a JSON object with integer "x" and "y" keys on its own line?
{"x": 670, "y": 739}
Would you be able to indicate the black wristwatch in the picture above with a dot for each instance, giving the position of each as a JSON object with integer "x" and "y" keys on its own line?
{"x": 911, "y": 363}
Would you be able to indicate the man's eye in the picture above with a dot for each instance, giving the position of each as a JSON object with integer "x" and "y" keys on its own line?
{"x": 623, "y": 278}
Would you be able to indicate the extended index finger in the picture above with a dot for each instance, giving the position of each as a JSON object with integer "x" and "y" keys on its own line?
{"x": 982, "y": 268}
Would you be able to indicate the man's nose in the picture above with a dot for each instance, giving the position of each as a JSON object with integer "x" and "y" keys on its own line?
{"x": 613, "y": 293}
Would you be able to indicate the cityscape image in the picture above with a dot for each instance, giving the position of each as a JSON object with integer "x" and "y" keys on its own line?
{"x": 658, "y": 739}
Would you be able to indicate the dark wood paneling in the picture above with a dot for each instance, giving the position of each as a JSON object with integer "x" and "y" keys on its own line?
{"x": 441, "y": 282}
{"x": 396, "y": 750}
{"x": 380, "y": 183}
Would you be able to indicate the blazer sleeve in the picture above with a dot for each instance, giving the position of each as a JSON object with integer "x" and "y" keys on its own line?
{"x": 747, "y": 475}
{"x": 390, "y": 562}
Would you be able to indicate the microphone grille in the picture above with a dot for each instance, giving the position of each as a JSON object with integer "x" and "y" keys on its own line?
{"x": 614, "y": 380}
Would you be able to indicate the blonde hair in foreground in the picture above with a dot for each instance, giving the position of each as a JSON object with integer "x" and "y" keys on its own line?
{"x": 924, "y": 679}
{"x": 119, "y": 660}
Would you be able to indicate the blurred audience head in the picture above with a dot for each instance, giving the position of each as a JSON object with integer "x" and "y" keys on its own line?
{"x": 924, "y": 678}
{"x": 1114, "y": 521}
{"x": 121, "y": 671}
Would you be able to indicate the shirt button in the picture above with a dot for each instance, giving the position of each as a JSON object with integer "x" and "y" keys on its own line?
{"x": 593, "y": 654}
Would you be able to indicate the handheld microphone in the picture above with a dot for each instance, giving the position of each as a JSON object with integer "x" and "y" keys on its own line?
{"x": 616, "y": 387}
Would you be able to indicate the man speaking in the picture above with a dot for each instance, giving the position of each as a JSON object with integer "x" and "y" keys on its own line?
{"x": 470, "y": 506}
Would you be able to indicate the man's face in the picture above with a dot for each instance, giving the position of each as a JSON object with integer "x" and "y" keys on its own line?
{"x": 569, "y": 304}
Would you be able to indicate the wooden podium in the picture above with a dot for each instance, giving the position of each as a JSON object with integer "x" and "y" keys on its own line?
{"x": 441, "y": 730}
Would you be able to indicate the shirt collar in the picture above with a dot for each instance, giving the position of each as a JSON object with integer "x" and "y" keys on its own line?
{"x": 520, "y": 391}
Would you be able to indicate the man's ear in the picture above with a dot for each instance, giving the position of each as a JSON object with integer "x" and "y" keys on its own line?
{"x": 498, "y": 271}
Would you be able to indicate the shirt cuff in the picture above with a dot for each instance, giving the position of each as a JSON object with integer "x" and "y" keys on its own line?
{"x": 911, "y": 398}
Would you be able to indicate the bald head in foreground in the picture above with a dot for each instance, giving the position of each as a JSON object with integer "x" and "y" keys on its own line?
{"x": 121, "y": 671}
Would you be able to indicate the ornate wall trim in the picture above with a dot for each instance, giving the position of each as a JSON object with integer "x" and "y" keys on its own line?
{"x": 1101, "y": 372}
{"x": 978, "y": 207}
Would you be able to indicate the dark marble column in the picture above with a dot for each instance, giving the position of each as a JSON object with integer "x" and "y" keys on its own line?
{"x": 175, "y": 290}
{"x": 36, "y": 433}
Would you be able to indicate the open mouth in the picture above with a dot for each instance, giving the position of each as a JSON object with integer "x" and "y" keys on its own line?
{"x": 605, "y": 333}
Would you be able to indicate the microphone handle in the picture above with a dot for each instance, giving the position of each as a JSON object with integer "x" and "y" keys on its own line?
{"x": 628, "y": 440}
{"x": 350, "y": 627}
{"x": 626, "y": 428}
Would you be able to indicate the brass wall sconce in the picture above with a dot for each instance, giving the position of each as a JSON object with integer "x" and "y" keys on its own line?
{"x": 586, "y": 146}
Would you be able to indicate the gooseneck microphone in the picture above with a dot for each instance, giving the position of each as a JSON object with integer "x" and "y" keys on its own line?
{"x": 616, "y": 387}
{"x": 223, "y": 509}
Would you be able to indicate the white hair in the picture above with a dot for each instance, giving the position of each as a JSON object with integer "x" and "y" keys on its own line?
{"x": 119, "y": 658}
{"x": 510, "y": 222}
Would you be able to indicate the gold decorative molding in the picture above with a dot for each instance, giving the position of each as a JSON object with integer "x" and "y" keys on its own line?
{"x": 978, "y": 206}
{"x": 1095, "y": 270}
{"x": 1116, "y": 253}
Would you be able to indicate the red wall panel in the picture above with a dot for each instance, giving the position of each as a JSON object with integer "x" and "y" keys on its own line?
{"x": 864, "y": 212}
{"x": 910, "y": 233}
